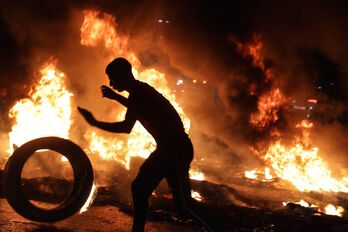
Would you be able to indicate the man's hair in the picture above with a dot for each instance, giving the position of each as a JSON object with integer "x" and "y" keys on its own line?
{"x": 119, "y": 66}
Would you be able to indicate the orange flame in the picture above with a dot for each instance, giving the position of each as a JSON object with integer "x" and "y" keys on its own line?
{"x": 46, "y": 112}
{"x": 301, "y": 165}
{"x": 96, "y": 28}
{"x": 268, "y": 107}
{"x": 299, "y": 162}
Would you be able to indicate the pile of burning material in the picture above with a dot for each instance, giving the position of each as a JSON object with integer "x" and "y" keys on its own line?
{"x": 253, "y": 215}
{"x": 295, "y": 190}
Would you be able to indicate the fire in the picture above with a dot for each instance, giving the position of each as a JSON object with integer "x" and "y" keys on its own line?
{"x": 297, "y": 161}
{"x": 259, "y": 175}
{"x": 268, "y": 107}
{"x": 196, "y": 175}
{"x": 329, "y": 209}
{"x": 302, "y": 165}
{"x": 196, "y": 195}
{"x": 96, "y": 28}
{"x": 333, "y": 210}
{"x": 251, "y": 174}
{"x": 46, "y": 111}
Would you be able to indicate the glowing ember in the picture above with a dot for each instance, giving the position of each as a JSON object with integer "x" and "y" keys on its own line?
{"x": 332, "y": 210}
{"x": 268, "y": 175}
{"x": 90, "y": 199}
{"x": 329, "y": 209}
{"x": 251, "y": 174}
{"x": 98, "y": 27}
{"x": 196, "y": 175}
{"x": 46, "y": 112}
{"x": 259, "y": 175}
{"x": 196, "y": 195}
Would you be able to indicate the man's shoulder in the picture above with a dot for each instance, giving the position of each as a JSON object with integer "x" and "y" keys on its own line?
{"x": 143, "y": 88}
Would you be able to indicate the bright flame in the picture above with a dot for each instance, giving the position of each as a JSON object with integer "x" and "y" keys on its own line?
{"x": 259, "y": 175}
{"x": 268, "y": 175}
{"x": 90, "y": 199}
{"x": 332, "y": 210}
{"x": 250, "y": 174}
{"x": 46, "y": 112}
{"x": 196, "y": 175}
{"x": 303, "y": 167}
{"x": 268, "y": 107}
{"x": 298, "y": 161}
{"x": 96, "y": 28}
{"x": 196, "y": 195}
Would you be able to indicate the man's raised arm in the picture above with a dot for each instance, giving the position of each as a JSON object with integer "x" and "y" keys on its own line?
{"x": 116, "y": 127}
{"x": 109, "y": 93}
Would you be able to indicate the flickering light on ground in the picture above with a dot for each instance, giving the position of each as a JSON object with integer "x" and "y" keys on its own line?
{"x": 196, "y": 195}
{"x": 250, "y": 174}
{"x": 90, "y": 199}
{"x": 196, "y": 175}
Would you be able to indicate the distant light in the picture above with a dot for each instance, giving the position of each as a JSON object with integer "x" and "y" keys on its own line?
{"x": 194, "y": 81}
{"x": 293, "y": 101}
{"x": 167, "y": 21}
{"x": 179, "y": 82}
{"x": 299, "y": 107}
{"x": 174, "y": 90}
{"x": 182, "y": 90}
{"x": 332, "y": 84}
{"x": 160, "y": 21}
{"x": 308, "y": 115}
{"x": 204, "y": 82}
{"x": 314, "y": 101}
{"x": 320, "y": 87}
{"x": 311, "y": 107}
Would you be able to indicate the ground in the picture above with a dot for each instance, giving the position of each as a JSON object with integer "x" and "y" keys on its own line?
{"x": 97, "y": 218}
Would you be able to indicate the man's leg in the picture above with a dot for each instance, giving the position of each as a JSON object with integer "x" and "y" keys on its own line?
{"x": 179, "y": 181}
{"x": 150, "y": 174}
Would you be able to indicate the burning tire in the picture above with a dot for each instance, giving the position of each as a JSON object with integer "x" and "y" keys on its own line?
{"x": 83, "y": 179}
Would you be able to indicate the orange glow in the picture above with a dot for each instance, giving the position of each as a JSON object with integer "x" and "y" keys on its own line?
{"x": 333, "y": 210}
{"x": 196, "y": 195}
{"x": 46, "y": 111}
{"x": 196, "y": 175}
{"x": 329, "y": 209}
{"x": 301, "y": 164}
{"x": 264, "y": 176}
{"x": 101, "y": 28}
{"x": 297, "y": 161}
{"x": 90, "y": 199}
{"x": 268, "y": 107}
{"x": 314, "y": 101}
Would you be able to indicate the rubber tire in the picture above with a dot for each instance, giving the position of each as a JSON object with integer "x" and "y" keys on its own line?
{"x": 83, "y": 179}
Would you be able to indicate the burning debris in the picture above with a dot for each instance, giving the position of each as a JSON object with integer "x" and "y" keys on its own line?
{"x": 101, "y": 28}
{"x": 46, "y": 111}
{"x": 284, "y": 144}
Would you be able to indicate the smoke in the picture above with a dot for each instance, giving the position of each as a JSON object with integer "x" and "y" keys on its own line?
{"x": 303, "y": 43}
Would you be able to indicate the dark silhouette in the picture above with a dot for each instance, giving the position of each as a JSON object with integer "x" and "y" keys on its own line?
{"x": 174, "y": 152}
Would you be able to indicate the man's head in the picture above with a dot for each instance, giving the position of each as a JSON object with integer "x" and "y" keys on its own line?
{"x": 120, "y": 74}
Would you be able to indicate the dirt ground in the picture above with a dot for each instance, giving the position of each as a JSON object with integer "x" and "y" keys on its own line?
{"x": 97, "y": 218}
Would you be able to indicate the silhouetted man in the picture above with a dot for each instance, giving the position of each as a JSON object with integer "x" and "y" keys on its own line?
{"x": 174, "y": 152}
